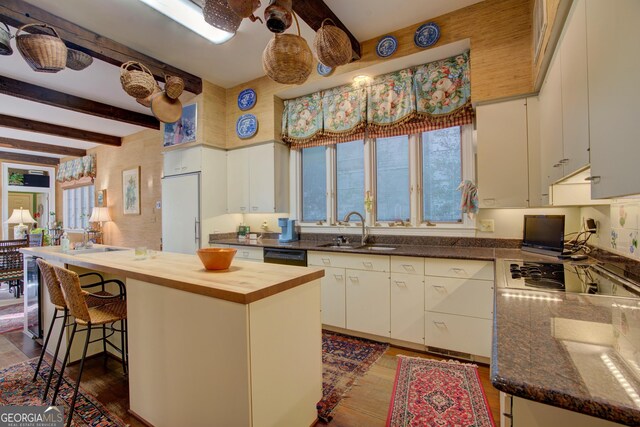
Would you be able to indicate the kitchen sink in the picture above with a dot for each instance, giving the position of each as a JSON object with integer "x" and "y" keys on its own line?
{"x": 336, "y": 246}
{"x": 381, "y": 248}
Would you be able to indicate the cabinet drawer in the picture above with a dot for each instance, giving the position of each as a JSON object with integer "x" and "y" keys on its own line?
{"x": 407, "y": 265}
{"x": 463, "y": 269}
{"x": 466, "y": 297}
{"x": 352, "y": 261}
{"x": 248, "y": 253}
{"x": 458, "y": 333}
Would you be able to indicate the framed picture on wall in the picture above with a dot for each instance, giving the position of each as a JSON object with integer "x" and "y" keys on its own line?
{"x": 101, "y": 198}
{"x": 184, "y": 130}
{"x": 131, "y": 191}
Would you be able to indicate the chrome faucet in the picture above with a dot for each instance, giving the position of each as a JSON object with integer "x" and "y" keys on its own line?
{"x": 364, "y": 228}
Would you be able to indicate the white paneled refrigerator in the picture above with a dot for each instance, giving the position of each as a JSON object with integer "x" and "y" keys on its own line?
{"x": 181, "y": 213}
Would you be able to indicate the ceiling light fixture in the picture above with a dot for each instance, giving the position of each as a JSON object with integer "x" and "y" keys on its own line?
{"x": 189, "y": 15}
{"x": 361, "y": 80}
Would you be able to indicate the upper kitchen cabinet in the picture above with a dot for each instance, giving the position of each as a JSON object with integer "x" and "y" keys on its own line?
{"x": 183, "y": 160}
{"x": 258, "y": 179}
{"x": 613, "y": 54}
{"x": 575, "y": 92}
{"x": 503, "y": 136}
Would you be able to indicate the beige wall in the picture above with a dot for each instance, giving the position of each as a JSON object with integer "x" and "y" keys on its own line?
{"x": 501, "y": 61}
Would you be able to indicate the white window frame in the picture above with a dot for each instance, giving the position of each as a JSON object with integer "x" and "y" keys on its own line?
{"x": 465, "y": 228}
{"x": 65, "y": 207}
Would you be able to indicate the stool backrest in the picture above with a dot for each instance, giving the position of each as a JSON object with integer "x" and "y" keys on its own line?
{"x": 35, "y": 239}
{"x": 10, "y": 256}
{"x": 52, "y": 283}
{"x": 73, "y": 295}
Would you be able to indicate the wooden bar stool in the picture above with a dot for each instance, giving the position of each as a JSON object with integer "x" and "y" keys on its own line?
{"x": 89, "y": 317}
{"x": 56, "y": 297}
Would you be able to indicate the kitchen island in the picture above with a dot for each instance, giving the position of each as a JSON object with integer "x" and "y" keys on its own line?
{"x": 240, "y": 347}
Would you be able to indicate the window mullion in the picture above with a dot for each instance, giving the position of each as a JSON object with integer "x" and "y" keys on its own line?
{"x": 370, "y": 178}
{"x": 331, "y": 184}
{"x": 415, "y": 178}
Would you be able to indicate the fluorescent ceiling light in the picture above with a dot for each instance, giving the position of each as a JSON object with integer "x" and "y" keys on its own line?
{"x": 189, "y": 15}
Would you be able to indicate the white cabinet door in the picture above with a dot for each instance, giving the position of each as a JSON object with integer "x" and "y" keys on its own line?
{"x": 248, "y": 253}
{"x": 575, "y": 92}
{"x": 551, "y": 152}
{"x": 503, "y": 180}
{"x": 527, "y": 413}
{"x": 333, "y": 290}
{"x": 238, "y": 181}
{"x": 459, "y": 333}
{"x": 261, "y": 178}
{"x": 613, "y": 54}
{"x": 465, "y": 297}
{"x": 407, "y": 307}
{"x": 459, "y": 268}
{"x": 191, "y": 160}
{"x": 368, "y": 302}
{"x": 181, "y": 213}
{"x": 172, "y": 162}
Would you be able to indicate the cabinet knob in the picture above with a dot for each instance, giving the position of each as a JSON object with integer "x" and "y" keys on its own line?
{"x": 338, "y": 276}
{"x": 367, "y": 264}
{"x": 557, "y": 165}
{"x": 254, "y": 208}
{"x": 439, "y": 323}
{"x": 243, "y": 208}
{"x": 326, "y": 261}
{"x": 408, "y": 267}
{"x": 595, "y": 179}
{"x": 354, "y": 279}
{"x": 564, "y": 161}
{"x": 401, "y": 283}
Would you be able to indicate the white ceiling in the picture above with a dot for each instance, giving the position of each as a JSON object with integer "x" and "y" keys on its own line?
{"x": 136, "y": 25}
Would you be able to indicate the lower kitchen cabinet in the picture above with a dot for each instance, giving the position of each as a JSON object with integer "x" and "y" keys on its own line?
{"x": 464, "y": 297}
{"x": 368, "y": 302}
{"x": 407, "y": 307}
{"x": 332, "y": 286}
{"x": 458, "y": 333}
{"x": 527, "y": 413}
{"x": 248, "y": 253}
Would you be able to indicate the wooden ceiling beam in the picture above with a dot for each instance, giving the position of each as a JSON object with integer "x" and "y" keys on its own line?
{"x": 20, "y": 144}
{"x": 18, "y": 12}
{"x": 313, "y": 12}
{"x": 27, "y": 158}
{"x": 31, "y": 92}
{"x": 57, "y": 130}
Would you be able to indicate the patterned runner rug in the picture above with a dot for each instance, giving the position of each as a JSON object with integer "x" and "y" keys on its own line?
{"x": 16, "y": 388}
{"x": 344, "y": 359}
{"x": 436, "y": 393}
{"x": 11, "y": 317}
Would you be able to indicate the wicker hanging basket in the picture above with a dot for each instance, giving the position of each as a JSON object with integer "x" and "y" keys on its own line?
{"x": 5, "y": 44}
{"x": 174, "y": 86}
{"x": 139, "y": 82}
{"x": 43, "y": 52}
{"x": 147, "y": 101}
{"x": 332, "y": 45}
{"x": 77, "y": 60}
{"x": 245, "y": 8}
{"x": 217, "y": 13}
{"x": 287, "y": 58}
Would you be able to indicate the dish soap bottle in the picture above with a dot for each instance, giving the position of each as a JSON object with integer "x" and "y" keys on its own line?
{"x": 64, "y": 242}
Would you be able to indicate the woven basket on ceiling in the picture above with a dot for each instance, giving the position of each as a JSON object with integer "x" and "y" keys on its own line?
{"x": 5, "y": 44}
{"x": 287, "y": 58}
{"x": 136, "y": 79}
{"x": 43, "y": 52}
{"x": 77, "y": 60}
{"x": 218, "y": 14}
{"x": 332, "y": 45}
{"x": 147, "y": 101}
{"x": 173, "y": 86}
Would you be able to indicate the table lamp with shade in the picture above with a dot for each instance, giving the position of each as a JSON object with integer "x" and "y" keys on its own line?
{"x": 20, "y": 216}
{"x": 99, "y": 215}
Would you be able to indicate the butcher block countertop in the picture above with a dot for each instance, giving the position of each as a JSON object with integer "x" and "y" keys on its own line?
{"x": 244, "y": 282}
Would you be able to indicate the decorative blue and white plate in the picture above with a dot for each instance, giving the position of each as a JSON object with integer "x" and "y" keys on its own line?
{"x": 247, "y": 99}
{"x": 324, "y": 70}
{"x": 386, "y": 46}
{"x": 427, "y": 35}
{"x": 246, "y": 126}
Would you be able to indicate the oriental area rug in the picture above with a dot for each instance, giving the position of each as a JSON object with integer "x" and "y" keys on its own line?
{"x": 344, "y": 360}
{"x": 11, "y": 317}
{"x": 16, "y": 388}
{"x": 437, "y": 393}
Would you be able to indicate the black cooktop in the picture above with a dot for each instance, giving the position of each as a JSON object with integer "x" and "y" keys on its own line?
{"x": 539, "y": 275}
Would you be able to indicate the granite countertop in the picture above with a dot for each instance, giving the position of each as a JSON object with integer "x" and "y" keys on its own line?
{"x": 244, "y": 282}
{"x": 426, "y": 251}
{"x": 574, "y": 351}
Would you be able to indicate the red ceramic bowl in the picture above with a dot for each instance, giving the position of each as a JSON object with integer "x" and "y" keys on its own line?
{"x": 216, "y": 258}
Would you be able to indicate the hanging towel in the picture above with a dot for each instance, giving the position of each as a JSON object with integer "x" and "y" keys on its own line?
{"x": 469, "y": 200}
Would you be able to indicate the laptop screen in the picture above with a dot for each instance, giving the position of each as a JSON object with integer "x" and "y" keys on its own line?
{"x": 544, "y": 232}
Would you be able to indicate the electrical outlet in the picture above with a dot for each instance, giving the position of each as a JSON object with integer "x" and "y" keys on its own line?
{"x": 487, "y": 225}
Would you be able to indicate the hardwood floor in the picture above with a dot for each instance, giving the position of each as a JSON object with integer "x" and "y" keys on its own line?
{"x": 366, "y": 405}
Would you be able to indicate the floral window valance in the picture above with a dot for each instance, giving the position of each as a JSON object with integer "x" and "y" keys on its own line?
{"x": 77, "y": 168}
{"x": 428, "y": 97}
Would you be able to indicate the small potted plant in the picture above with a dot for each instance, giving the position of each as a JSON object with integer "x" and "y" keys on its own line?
{"x": 16, "y": 179}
